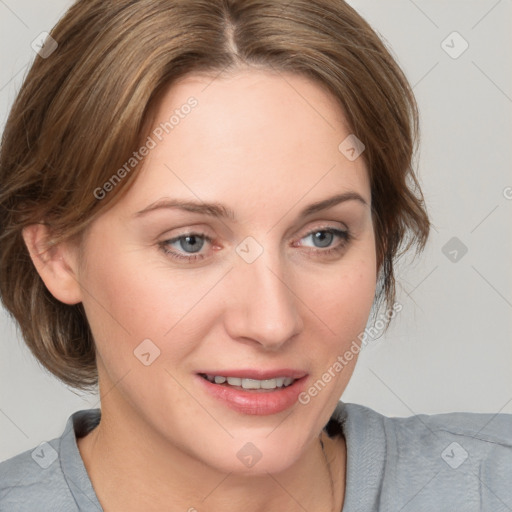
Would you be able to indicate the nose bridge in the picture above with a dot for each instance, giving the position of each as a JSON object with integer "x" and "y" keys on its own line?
{"x": 265, "y": 308}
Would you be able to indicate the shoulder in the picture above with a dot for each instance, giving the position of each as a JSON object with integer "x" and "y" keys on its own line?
{"x": 479, "y": 431}
{"x": 33, "y": 480}
{"x": 42, "y": 478}
{"x": 453, "y": 458}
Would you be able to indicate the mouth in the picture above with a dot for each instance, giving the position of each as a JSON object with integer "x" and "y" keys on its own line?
{"x": 246, "y": 384}
{"x": 254, "y": 392}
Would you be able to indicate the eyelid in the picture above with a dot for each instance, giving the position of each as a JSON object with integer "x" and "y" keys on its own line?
{"x": 324, "y": 225}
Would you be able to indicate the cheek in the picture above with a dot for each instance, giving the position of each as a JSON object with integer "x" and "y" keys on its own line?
{"x": 116, "y": 297}
{"x": 343, "y": 297}
{"x": 133, "y": 297}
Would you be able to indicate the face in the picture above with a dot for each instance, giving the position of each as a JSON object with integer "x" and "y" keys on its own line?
{"x": 260, "y": 287}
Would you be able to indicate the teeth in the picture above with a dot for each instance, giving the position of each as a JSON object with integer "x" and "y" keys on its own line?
{"x": 268, "y": 384}
{"x": 278, "y": 382}
{"x": 251, "y": 384}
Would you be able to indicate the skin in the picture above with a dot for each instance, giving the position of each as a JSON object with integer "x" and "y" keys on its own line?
{"x": 266, "y": 146}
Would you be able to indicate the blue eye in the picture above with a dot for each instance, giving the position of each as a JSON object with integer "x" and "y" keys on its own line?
{"x": 188, "y": 241}
{"x": 326, "y": 241}
{"x": 192, "y": 243}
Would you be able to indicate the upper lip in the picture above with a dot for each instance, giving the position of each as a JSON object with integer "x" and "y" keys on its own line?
{"x": 257, "y": 374}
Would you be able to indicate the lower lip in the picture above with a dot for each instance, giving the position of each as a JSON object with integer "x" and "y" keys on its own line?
{"x": 255, "y": 402}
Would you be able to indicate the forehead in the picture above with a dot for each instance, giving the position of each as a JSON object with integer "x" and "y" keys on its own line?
{"x": 260, "y": 133}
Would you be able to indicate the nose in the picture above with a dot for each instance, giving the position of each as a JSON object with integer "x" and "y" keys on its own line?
{"x": 263, "y": 308}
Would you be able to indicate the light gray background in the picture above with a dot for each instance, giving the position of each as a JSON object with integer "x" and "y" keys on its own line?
{"x": 450, "y": 347}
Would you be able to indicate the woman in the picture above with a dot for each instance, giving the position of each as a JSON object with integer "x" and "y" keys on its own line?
{"x": 209, "y": 197}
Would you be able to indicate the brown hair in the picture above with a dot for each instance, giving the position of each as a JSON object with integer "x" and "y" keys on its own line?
{"x": 81, "y": 112}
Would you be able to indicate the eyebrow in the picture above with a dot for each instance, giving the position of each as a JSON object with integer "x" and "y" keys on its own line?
{"x": 218, "y": 210}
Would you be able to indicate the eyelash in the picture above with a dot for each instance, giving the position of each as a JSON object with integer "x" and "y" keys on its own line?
{"x": 346, "y": 237}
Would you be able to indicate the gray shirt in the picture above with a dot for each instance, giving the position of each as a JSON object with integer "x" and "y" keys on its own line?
{"x": 456, "y": 462}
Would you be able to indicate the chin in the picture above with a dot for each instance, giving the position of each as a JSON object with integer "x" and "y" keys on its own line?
{"x": 256, "y": 457}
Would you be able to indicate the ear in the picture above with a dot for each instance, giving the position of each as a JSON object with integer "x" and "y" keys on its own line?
{"x": 56, "y": 264}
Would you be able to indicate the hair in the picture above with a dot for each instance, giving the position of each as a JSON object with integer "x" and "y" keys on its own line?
{"x": 82, "y": 111}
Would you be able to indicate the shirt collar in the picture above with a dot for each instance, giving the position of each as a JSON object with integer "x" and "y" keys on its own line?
{"x": 73, "y": 468}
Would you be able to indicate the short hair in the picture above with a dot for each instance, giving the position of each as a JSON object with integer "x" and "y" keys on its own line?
{"x": 82, "y": 111}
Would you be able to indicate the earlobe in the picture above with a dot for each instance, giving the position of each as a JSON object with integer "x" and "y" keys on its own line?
{"x": 56, "y": 264}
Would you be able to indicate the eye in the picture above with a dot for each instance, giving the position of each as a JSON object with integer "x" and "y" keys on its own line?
{"x": 324, "y": 238}
{"x": 186, "y": 247}
{"x": 189, "y": 241}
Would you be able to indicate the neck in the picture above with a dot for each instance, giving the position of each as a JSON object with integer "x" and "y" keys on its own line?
{"x": 132, "y": 468}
